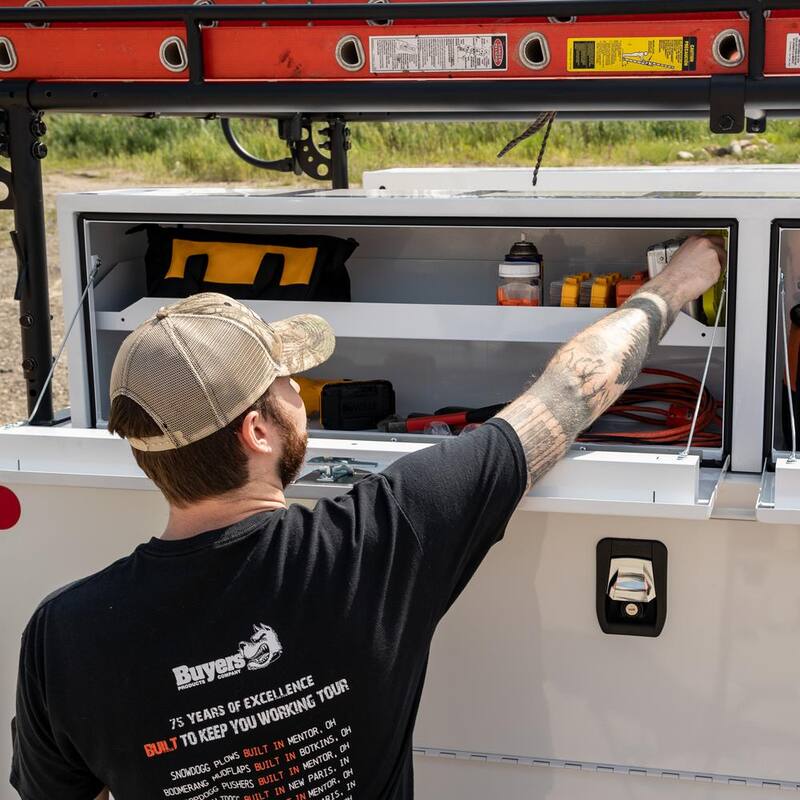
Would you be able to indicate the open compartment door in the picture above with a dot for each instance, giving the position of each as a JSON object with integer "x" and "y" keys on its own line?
{"x": 584, "y": 482}
{"x": 628, "y": 484}
{"x": 779, "y": 494}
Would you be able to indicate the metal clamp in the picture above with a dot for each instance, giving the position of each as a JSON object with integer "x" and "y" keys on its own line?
{"x": 379, "y": 21}
{"x": 213, "y": 23}
{"x": 36, "y": 4}
{"x": 338, "y": 469}
{"x": 341, "y": 460}
{"x": 726, "y": 101}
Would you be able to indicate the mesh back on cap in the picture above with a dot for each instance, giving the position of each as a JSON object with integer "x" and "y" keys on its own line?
{"x": 197, "y": 365}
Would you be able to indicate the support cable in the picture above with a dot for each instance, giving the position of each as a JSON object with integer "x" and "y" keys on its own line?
{"x": 686, "y": 449}
{"x": 49, "y": 378}
{"x": 793, "y": 454}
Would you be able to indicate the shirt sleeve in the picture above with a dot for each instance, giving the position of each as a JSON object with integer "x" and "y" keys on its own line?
{"x": 458, "y": 497}
{"x": 44, "y": 763}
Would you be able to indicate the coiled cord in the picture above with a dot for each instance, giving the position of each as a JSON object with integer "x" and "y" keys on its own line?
{"x": 664, "y": 410}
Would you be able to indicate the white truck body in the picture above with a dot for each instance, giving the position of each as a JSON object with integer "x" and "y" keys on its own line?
{"x": 525, "y": 695}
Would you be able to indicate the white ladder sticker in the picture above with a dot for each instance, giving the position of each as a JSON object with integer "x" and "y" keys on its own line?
{"x": 793, "y": 51}
{"x": 465, "y": 53}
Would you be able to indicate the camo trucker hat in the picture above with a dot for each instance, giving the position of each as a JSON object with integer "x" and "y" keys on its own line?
{"x": 195, "y": 366}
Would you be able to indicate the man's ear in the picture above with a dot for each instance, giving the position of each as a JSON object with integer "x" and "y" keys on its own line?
{"x": 255, "y": 434}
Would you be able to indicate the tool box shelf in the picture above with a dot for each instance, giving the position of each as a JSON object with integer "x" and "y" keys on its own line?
{"x": 468, "y": 323}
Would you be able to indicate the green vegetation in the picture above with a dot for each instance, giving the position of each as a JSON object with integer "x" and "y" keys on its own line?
{"x": 189, "y": 149}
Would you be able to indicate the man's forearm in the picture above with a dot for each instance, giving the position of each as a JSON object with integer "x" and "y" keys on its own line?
{"x": 588, "y": 374}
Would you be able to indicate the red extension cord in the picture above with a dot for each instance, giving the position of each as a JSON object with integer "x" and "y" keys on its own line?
{"x": 665, "y": 412}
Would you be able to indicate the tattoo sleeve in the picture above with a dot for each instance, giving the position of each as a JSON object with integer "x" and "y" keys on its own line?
{"x": 587, "y": 375}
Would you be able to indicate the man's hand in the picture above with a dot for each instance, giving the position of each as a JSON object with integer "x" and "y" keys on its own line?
{"x": 693, "y": 269}
{"x": 593, "y": 369}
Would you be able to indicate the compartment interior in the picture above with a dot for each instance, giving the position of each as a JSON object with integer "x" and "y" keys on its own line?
{"x": 788, "y": 264}
{"x": 423, "y": 311}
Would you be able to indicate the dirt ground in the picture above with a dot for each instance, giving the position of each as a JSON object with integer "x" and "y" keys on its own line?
{"x": 13, "y": 406}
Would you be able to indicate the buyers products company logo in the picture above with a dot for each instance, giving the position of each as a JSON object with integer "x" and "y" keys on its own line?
{"x": 261, "y": 650}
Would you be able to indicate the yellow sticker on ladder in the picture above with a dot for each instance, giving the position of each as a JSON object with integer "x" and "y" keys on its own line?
{"x": 637, "y": 54}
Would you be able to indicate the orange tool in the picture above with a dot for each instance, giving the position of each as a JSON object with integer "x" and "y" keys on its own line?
{"x": 627, "y": 286}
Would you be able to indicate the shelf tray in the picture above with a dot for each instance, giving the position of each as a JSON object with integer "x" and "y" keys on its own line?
{"x": 433, "y": 322}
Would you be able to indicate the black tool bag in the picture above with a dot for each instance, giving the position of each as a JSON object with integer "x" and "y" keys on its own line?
{"x": 184, "y": 261}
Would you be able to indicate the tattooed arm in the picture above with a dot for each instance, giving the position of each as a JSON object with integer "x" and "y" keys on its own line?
{"x": 592, "y": 370}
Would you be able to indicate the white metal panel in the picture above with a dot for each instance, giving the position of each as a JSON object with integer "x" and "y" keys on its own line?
{"x": 520, "y": 666}
{"x": 750, "y": 348}
{"x": 65, "y": 534}
{"x": 351, "y": 203}
{"x": 629, "y": 484}
{"x": 65, "y": 456}
{"x": 677, "y": 476}
{"x": 761, "y": 178}
{"x": 71, "y": 260}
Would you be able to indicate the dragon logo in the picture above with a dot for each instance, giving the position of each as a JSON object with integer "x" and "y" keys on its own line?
{"x": 262, "y": 649}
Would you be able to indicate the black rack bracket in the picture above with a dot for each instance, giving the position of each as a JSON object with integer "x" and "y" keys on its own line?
{"x": 726, "y": 95}
{"x": 22, "y": 129}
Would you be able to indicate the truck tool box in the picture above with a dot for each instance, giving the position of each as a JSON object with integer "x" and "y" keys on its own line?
{"x": 508, "y": 686}
{"x": 540, "y": 682}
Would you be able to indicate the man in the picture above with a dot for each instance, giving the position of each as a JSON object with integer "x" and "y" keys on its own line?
{"x": 259, "y": 650}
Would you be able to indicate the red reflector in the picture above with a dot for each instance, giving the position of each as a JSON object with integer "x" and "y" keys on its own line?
{"x": 10, "y": 509}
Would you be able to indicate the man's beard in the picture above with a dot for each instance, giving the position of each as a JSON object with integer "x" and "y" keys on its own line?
{"x": 293, "y": 447}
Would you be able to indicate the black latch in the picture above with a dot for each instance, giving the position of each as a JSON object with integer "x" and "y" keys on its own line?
{"x": 631, "y": 586}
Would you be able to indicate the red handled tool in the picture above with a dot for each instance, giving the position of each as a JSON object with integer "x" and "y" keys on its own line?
{"x": 454, "y": 417}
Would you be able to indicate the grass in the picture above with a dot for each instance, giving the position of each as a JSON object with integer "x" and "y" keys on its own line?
{"x": 190, "y": 149}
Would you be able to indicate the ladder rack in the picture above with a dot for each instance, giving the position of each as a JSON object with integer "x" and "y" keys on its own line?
{"x": 208, "y": 76}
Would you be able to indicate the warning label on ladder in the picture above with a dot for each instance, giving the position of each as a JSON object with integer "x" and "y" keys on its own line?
{"x": 464, "y": 53}
{"x": 639, "y": 54}
{"x": 793, "y": 51}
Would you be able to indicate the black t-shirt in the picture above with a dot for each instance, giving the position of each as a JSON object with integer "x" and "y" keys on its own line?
{"x": 282, "y": 657}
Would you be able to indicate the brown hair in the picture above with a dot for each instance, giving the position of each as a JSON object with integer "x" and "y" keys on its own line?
{"x": 209, "y": 467}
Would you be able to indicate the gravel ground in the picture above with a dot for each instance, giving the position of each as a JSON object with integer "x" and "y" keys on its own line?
{"x": 13, "y": 405}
